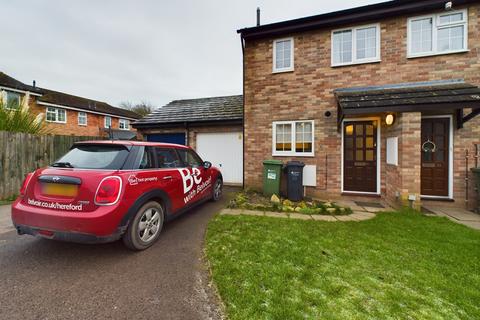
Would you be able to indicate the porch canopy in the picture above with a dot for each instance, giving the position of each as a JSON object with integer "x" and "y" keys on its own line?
{"x": 444, "y": 96}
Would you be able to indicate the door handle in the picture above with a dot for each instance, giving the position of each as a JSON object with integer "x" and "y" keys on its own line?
{"x": 167, "y": 178}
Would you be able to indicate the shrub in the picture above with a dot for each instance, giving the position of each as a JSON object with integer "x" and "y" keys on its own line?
{"x": 20, "y": 119}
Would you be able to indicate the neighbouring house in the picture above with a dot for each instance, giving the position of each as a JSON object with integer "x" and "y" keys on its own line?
{"x": 378, "y": 101}
{"x": 213, "y": 126}
{"x": 67, "y": 114}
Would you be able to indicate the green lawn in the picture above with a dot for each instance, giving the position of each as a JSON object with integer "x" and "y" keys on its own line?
{"x": 395, "y": 266}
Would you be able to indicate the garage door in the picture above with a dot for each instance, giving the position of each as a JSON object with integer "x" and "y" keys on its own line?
{"x": 225, "y": 151}
{"x": 178, "y": 138}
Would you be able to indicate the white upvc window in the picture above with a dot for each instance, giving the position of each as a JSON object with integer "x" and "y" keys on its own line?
{"x": 12, "y": 100}
{"x": 438, "y": 34}
{"x": 56, "y": 115}
{"x": 283, "y": 57}
{"x": 108, "y": 121}
{"x": 293, "y": 138}
{"x": 355, "y": 45}
{"x": 82, "y": 118}
{"x": 123, "y": 124}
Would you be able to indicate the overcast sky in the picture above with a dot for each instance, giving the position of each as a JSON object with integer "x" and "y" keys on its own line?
{"x": 120, "y": 50}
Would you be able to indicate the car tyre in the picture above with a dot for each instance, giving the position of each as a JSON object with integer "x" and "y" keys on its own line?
{"x": 146, "y": 226}
{"x": 217, "y": 190}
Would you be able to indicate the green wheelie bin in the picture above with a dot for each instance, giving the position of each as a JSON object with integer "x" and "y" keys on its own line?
{"x": 272, "y": 170}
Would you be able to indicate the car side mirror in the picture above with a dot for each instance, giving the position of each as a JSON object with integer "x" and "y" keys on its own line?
{"x": 207, "y": 164}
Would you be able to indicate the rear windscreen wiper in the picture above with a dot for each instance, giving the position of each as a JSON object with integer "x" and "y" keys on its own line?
{"x": 62, "y": 165}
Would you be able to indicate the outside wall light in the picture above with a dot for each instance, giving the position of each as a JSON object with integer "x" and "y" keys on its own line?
{"x": 389, "y": 119}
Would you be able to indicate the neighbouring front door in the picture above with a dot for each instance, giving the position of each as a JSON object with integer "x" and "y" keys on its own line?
{"x": 360, "y": 156}
{"x": 435, "y": 151}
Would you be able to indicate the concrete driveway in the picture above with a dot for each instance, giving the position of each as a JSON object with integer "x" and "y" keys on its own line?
{"x": 43, "y": 279}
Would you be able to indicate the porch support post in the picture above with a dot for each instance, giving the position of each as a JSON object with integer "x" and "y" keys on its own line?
{"x": 410, "y": 124}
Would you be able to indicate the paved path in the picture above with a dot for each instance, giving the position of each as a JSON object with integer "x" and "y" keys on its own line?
{"x": 355, "y": 216}
{"x": 44, "y": 279}
{"x": 457, "y": 215}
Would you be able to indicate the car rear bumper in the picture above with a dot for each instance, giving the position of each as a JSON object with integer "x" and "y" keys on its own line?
{"x": 101, "y": 225}
{"x": 69, "y": 236}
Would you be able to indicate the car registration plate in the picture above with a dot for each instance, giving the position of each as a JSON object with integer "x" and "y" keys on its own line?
{"x": 59, "y": 189}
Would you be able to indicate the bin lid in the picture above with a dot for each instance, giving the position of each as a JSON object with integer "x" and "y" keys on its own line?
{"x": 295, "y": 164}
{"x": 475, "y": 170}
{"x": 274, "y": 162}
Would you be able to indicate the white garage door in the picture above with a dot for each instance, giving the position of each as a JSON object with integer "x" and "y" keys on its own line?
{"x": 225, "y": 151}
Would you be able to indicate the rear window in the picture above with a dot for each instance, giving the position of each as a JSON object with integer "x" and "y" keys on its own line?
{"x": 94, "y": 157}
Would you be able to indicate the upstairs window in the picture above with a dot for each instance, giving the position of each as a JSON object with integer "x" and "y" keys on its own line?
{"x": 56, "y": 115}
{"x": 438, "y": 34}
{"x": 123, "y": 124}
{"x": 108, "y": 122}
{"x": 293, "y": 138}
{"x": 82, "y": 118}
{"x": 356, "y": 45}
{"x": 283, "y": 55}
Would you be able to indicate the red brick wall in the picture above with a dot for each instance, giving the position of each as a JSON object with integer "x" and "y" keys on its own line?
{"x": 307, "y": 93}
{"x": 95, "y": 122}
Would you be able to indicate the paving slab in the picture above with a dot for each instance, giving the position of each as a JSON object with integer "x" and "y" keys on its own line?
{"x": 300, "y": 216}
{"x": 471, "y": 224}
{"x": 253, "y": 213}
{"x": 322, "y": 217}
{"x": 361, "y": 216}
{"x": 374, "y": 209}
{"x": 344, "y": 218}
{"x": 276, "y": 214}
{"x": 233, "y": 212}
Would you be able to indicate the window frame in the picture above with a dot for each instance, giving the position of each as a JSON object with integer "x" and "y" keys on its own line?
{"x": 5, "y": 94}
{"x": 105, "y": 122}
{"x": 436, "y": 25}
{"x": 355, "y": 60}
{"x": 293, "y": 133}
{"x": 125, "y": 121}
{"x": 86, "y": 119}
{"x": 56, "y": 115}
{"x": 292, "y": 56}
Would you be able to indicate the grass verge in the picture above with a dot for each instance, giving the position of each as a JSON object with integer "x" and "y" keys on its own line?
{"x": 395, "y": 266}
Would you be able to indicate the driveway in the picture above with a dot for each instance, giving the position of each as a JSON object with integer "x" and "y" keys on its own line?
{"x": 43, "y": 279}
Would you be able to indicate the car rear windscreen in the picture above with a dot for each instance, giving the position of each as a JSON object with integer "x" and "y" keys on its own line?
{"x": 95, "y": 157}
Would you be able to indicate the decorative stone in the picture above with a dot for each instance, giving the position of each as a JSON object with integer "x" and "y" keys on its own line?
{"x": 331, "y": 210}
{"x": 275, "y": 199}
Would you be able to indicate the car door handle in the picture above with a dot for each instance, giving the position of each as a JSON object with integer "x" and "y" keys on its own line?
{"x": 167, "y": 178}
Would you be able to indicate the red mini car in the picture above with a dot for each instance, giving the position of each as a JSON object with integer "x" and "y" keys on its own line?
{"x": 101, "y": 191}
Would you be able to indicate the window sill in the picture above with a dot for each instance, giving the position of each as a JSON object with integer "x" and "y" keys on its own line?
{"x": 283, "y": 70}
{"x": 355, "y": 63}
{"x": 308, "y": 155}
{"x": 433, "y": 54}
{"x": 57, "y": 122}
{"x": 82, "y": 125}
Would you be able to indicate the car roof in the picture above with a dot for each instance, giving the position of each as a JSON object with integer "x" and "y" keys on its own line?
{"x": 133, "y": 143}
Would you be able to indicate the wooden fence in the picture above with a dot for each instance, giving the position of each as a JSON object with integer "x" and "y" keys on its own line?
{"x": 21, "y": 153}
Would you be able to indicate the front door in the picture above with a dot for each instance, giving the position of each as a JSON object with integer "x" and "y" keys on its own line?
{"x": 435, "y": 151}
{"x": 360, "y": 156}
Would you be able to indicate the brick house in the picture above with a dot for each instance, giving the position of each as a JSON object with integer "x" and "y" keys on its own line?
{"x": 204, "y": 124}
{"x": 378, "y": 101}
{"x": 66, "y": 114}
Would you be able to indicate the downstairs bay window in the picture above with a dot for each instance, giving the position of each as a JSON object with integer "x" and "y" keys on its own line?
{"x": 293, "y": 138}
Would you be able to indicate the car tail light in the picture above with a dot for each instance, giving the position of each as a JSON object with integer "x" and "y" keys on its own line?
{"x": 28, "y": 177}
{"x": 108, "y": 191}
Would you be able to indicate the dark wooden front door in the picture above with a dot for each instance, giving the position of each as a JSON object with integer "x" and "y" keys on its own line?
{"x": 435, "y": 151}
{"x": 360, "y": 156}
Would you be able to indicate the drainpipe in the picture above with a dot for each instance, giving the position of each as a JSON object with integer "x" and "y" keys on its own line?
{"x": 187, "y": 142}
{"x": 243, "y": 98}
{"x": 466, "y": 179}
